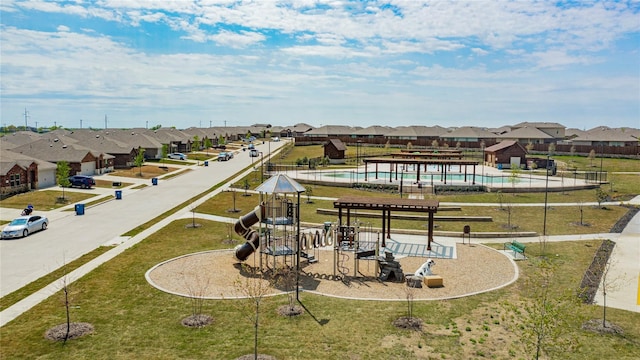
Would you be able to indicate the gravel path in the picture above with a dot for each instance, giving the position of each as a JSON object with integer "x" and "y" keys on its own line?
{"x": 213, "y": 274}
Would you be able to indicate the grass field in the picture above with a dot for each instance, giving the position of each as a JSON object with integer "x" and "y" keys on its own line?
{"x": 134, "y": 320}
{"x": 45, "y": 200}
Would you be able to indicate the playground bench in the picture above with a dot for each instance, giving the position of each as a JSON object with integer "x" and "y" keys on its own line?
{"x": 516, "y": 247}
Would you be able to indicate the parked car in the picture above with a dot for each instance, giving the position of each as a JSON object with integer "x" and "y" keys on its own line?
{"x": 221, "y": 147}
{"x": 24, "y": 225}
{"x": 82, "y": 181}
{"x": 275, "y": 139}
{"x": 224, "y": 156}
{"x": 177, "y": 156}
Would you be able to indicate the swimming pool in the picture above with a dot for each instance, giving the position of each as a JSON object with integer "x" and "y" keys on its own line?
{"x": 428, "y": 178}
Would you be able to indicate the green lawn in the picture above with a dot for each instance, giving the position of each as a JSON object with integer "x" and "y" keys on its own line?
{"x": 134, "y": 320}
{"x": 45, "y": 200}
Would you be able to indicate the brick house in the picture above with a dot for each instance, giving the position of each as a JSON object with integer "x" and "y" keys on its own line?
{"x": 505, "y": 155}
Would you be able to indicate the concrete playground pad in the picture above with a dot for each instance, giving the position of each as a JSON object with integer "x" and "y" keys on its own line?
{"x": 215, "y": 274}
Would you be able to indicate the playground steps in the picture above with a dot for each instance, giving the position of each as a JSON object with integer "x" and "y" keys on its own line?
{"x": 312, "y": 259}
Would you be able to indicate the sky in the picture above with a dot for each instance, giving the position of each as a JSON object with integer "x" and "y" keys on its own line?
{"x": 485, "y": 63}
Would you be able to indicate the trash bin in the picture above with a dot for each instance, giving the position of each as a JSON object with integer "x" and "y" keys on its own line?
{"x": 154, "y": 181}
{"x": 118, "y": 194}
{"x": 79, "y": 209}
{"x": 499, "y": 166}
{"x": 206, "y": 163}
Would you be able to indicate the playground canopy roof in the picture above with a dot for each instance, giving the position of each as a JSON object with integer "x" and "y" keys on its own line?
{"x": 386, "y": 160}
{"x": 361, "y": 202}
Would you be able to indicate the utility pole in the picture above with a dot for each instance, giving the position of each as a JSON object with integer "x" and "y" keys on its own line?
{"x": 210, "y": 123}
{"x": 26, "y": 116}
{"x": 105, "y": 121}
{"x": 80, "y": 123}
{"x": 146, "y": 126}
{"x": 225, "y": 123}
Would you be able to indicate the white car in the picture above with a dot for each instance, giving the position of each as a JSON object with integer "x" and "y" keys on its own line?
{"x": 24, "y": 225}
{"x": 177, "y": 156}
{"x": 275, "y": 139}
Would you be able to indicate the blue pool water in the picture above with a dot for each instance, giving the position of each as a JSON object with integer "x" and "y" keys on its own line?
{"x": 424, "y": 178}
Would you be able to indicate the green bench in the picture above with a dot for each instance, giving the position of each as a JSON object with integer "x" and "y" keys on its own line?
{"x": 516, "y": 247}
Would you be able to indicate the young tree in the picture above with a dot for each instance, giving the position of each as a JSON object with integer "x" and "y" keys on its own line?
{"x": 197, "y": 286}
{"x": 514, "y": 178}
{"x": 253, "y": 287}
{"x": 581, "y": 209}
{"x": 139, "y": 160}
{"x": 601, "y": 196}
{"x": 165, "y": 150}
{"x": 308, "y": 190}
{"x": 69, "y": 330}
{"x": 552, "y": 148}
{"x": 207, "y": 145}
{"x": 287, "y": 280}
{"x": 592, "y": 156}
{"x": 246, "y": 187}
{"x": 434, "y": 144}
{"x": 195, "y": 144}
{"x": 529, "y": 147}
{"x": 544, "y": 314}
{"x": 62, "y": 175}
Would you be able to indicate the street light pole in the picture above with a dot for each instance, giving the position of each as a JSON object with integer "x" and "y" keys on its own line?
{"x": 261, "y": 167}
{"x": 601, "y": 157}
{"x": 546, "y": 190}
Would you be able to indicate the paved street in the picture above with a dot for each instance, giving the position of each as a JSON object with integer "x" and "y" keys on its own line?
{"x": 69, "y": 236}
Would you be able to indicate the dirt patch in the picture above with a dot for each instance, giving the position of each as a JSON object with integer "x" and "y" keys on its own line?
{"x": 290, "y": 311}
{"x": 593, "y": 275}
{"x": 624, "y": 220}
{"x": 596, "y": 325}
{"x": 197, "y": 321}
{"x": 148, "y": 171}
{"x": 76, "y": 330}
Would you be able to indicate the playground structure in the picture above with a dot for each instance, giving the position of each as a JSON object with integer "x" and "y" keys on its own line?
{"x": 280, "y": 242}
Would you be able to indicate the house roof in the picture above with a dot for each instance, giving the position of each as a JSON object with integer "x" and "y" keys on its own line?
{"x": 605, "y": 134}
{"x": 373, "y": 130}
{"x": 338, "y": 144}
{"x": 328, "y": 130}
{"x": 469, "y": 132}
{"x": 525, "y": 133}
{"x": 10, "y": 159}
{"x": 503, "y": 145}
{"x": 55, "y": 151}
{"x": 417, "y": 131}
{"x": 539, "y": 125}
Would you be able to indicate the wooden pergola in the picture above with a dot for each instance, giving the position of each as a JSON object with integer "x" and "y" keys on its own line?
{"x": 443, "y": 164}
{"x": 386, "y": 205}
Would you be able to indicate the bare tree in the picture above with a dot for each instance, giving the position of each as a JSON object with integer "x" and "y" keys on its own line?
{"x": 286, "y": 279}
{"x": 600, "y": 276}
{"x": 253, "y": 287}
{"x": 197, "y": 286}
{"x": 592, "y": 156}
{"x": 500, "y": 197}
{"x": 69, "y": 330}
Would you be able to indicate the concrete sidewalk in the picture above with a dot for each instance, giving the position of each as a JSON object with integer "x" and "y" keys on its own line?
{"x": 627, "y": 252}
